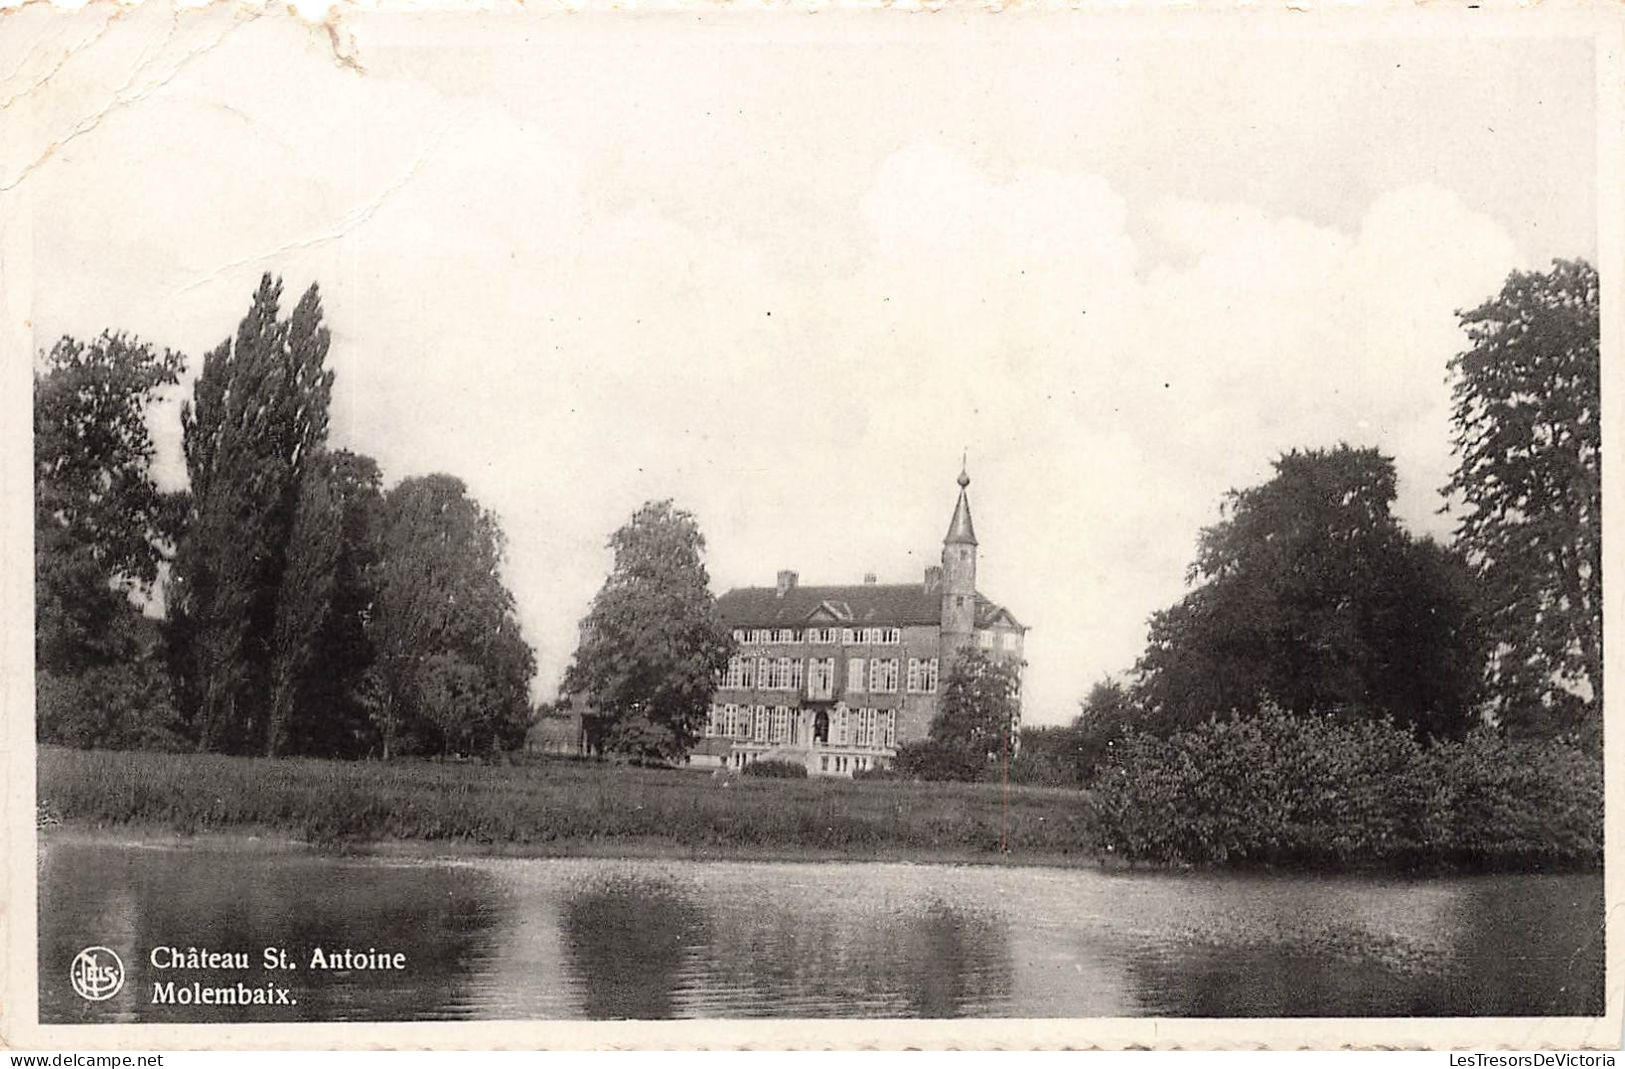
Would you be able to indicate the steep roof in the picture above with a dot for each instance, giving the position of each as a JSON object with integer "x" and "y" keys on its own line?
{"x": 897, "y": 604}
{"x": 863, "y": 604}
{"x": 960, "y": 529}
{"x": 989, "y": 613}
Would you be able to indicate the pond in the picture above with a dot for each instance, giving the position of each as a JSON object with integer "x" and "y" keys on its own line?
{"x": 520, "y": 939}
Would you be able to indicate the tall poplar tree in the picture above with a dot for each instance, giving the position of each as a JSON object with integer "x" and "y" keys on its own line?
{"x": 1528, "y": 446}
{"x": 258, "y": 414}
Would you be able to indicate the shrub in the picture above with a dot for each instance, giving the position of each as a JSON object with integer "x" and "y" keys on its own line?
{"x": 1320, "y": 791}
{"x": 1038, "y": 768}
{"x": 1521, "y": 804}
{"x": 116, "y": 706}
{"x": 929, "y": 759}
{"x": 775, "y": 769}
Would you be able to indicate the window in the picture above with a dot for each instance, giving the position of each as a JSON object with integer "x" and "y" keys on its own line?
{"x": 821, "y": 677}
{"x": 781, "y": 724}
{"x": 1007, "y": 641}
{"x": 883, "y": 676}
{"x": 739, "y": 635}
{"x": 888, "y": 729}
{"x": 781, "y": 673}
{"x": 837, "y": 727}
{"x": 984, "y": 639}
{"x": 823, "y": 636}
{"x": 849, "y": 636}
{"x": 741, "y": 674}
{"x": 714, "y": 725}
{"x": 888, "y": 636}
{"x": 759, "y": 724}
{"x": 922, "y": 675}
{"x": 785, "y": 634}
{"x": 854, "y": 675}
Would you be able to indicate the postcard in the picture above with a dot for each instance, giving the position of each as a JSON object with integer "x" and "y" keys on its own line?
{"x": 811, "y": 525}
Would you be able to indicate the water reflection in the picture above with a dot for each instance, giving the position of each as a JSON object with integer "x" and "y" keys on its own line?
{"x": 1481, "y": 946}
{"x": 539, "y": 939}
{"x": 845, "y": 950}
{"x": 629, "y": 941}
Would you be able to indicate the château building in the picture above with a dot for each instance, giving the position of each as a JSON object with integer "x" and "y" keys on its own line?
{"x": 837, "y": 677}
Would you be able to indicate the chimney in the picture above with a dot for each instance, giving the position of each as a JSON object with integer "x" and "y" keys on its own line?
{"x": 933, "y": 579}
{"x": 787, "y": 582}
{"x": 868, "y": 578}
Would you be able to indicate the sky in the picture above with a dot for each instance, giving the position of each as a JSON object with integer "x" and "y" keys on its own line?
{"x": 787, "y": 269}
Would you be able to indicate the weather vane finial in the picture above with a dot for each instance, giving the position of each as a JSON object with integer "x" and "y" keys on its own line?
{"x": 964, "y": 476}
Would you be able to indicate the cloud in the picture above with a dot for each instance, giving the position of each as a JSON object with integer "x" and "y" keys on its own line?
{"x": 1116, "y": 398}
{"x": 576, "y": 314}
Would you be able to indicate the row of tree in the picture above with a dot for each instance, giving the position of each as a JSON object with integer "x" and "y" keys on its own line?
{"x": 1309, "y": 596}
{"x": 311, "y": 611}
{"x": 307, "y": 609}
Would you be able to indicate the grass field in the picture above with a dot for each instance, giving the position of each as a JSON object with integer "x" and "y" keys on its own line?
{"x": 562, "y": 807}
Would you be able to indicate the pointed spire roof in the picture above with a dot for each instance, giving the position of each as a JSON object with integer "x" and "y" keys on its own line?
{"x": 960, "y": 529}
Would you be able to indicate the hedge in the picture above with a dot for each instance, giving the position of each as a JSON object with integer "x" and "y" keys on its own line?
{"x": 1320, "y": 791}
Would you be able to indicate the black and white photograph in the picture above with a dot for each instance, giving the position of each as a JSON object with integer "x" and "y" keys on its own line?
{"x": 1080, "y": 521}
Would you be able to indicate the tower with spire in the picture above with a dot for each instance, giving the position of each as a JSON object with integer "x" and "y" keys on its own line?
{"x": 959, "y": 572}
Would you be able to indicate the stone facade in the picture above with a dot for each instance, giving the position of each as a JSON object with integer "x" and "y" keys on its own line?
{"x": 837, "y": 677}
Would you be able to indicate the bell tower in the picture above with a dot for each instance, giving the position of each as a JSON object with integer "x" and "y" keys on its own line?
{"x": 959, "y": 574}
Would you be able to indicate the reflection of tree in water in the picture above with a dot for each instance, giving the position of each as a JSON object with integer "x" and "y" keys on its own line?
{"x": 955, "y": 963}
{"x": 1530, "y": 945}
{"x": 1517, "y": 946}
{"x": 629, "y": 940}
{"x": 850, "y": 960}
{"x": 443, "y": 919}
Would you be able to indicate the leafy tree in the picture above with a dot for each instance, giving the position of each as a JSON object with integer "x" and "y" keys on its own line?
{"x": 1528, "y": 449}
{"x": 257, "y": 416}
{"x": 331, "y": 714}
{"x": 448, "y": 688}
{"x": 121, "y": 705}
{"x": 451, "y": 668}
{"x": 652, "y": 642}
{"x": 1314, "y": 598}
{"x": 93, "y": 451}
{"x": 304, "y": 599}
{"x": 977, "y": 716}
{"x": 100, "y": 528}
{"x": 1104, "y": 717}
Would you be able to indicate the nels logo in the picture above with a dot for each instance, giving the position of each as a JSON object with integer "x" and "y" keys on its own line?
{"x": 97, "y": 974}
